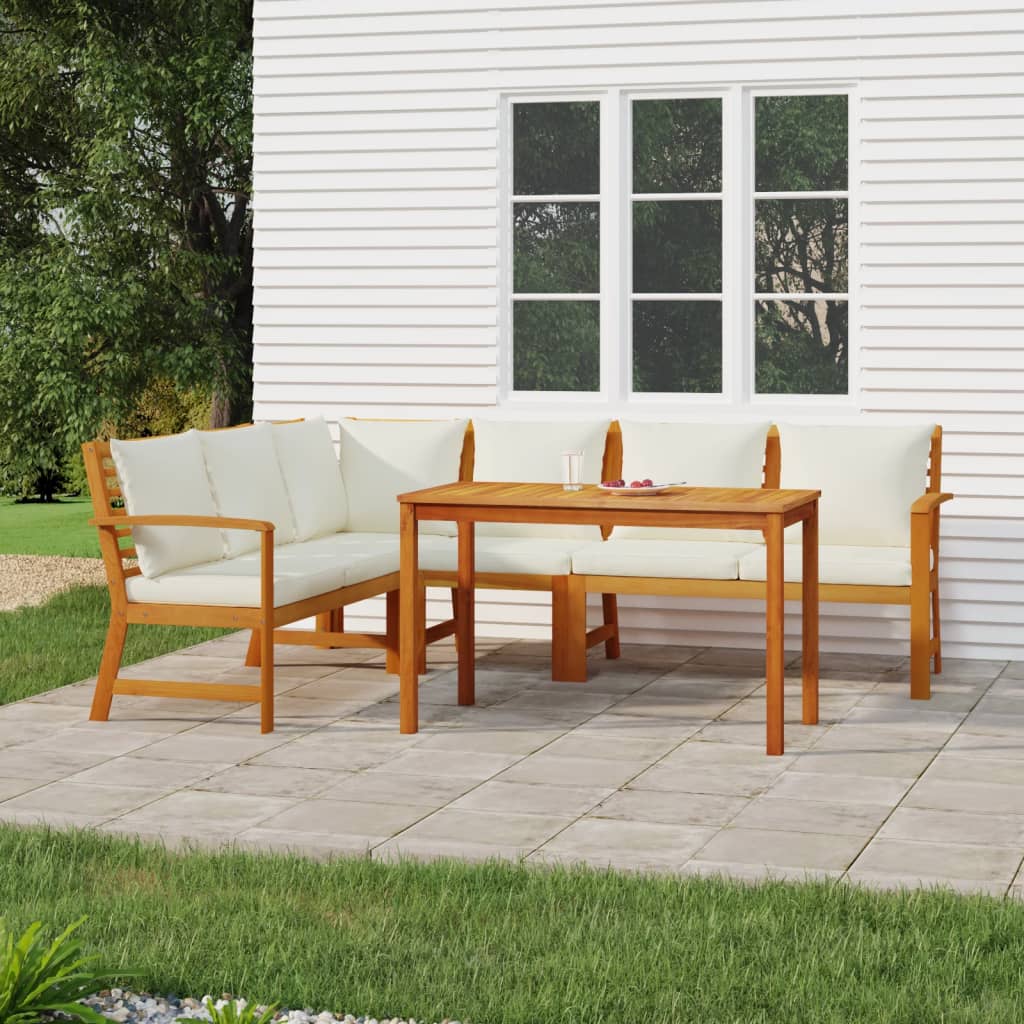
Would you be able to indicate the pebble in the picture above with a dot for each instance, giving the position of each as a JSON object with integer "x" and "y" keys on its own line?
{"x": 125, "y": 1007}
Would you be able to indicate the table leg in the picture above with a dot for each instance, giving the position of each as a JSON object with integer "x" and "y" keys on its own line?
{"x": 410, "y": 625}
{"x": 809, "y": 601}
{"x": 465, "y": 626}
{"x": 775, "y": 637}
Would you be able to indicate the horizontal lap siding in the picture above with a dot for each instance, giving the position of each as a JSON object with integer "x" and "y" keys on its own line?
{"x": 377, "y": 241}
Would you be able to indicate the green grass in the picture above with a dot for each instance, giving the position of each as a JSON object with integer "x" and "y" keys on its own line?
{"x": 60, "y": 642}
{"x": 499, "y": 944}
{"x": 57, "y": 528}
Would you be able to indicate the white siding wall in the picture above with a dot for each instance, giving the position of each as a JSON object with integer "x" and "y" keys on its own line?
{"x": 377, "y": 239}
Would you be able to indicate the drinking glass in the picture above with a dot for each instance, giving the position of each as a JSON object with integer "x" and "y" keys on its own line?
{"x": 572, "y": 471}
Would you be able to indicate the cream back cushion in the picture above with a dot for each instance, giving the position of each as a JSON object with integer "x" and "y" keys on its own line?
{"x": 312, "y": 477}
{"x": 166, "y": 476}
{"x": 247, "y": 483}
{"x": 526, "y": 452}
{"x": 869, "y": 476}
{"x": 701, "y": 454}
{"x": 381, "y": 459}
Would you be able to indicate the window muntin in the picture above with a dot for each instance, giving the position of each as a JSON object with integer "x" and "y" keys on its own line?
{"x": 801, "y": 245}
{"x": 556, "y": 173}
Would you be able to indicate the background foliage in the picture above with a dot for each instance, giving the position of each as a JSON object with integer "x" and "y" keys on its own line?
{"x": 125, "y": 227}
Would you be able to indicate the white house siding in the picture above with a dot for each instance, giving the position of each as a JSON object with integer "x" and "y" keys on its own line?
{"x": 377, "y": 235}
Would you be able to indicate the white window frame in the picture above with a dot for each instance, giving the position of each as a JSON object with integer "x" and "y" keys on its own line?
{"x": 615, "y": 392}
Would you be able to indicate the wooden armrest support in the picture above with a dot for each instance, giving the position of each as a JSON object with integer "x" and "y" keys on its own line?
{"x": 217, "y": 522}
{"x": 929, "y": 502}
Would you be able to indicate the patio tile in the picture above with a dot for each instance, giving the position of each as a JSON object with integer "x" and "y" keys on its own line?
{"x": 978, "y": 797}
{"x": 850, "y": 739}
{"x": 491, "y": 741}
{"x": 801, "y": 850}
{"x": 921, "y": 860}
{"x": 105, "y": 738}
{"x": 45, "y": 764}
{"x": 684, "y": 686}
{"x": 853, "y": 789}
{"x": 909, "y": 883}
{"x": 149, "y": 774}
{"x": 798, "y": 737}
{"x": 407, "y": 847}
{"x": 440, "y": 764}
{"x": 380, "y": 786}
{"x": 982, "y": 745}
{"x": 346, "y": 817}
{"x": 13, "y": 732}
{"x": 611, "y": 724}
{"x": 267, "y": 780}
{"x": 650, "y": 654}
{"x": 979, "y": 723}
{"x": 36, "y": 712}
{"x": 971, "y": 668}
{"x": 330, "y": 752}
{"x": 82, "y": 799}
{"x": 313, "y": 845}
{"x": 506, "y": 829}
{"x": 14, "y": 787}
{"x": 917, "y": 719}
{"x": 832, "y": 818}
{"x": 633, "y": 845}
{"x": 572, "y": 697}
{"x": 958, "y": 702}
{"x": 573, "y": 771}
{"x": 670, "y": 808}
{"x": 900, "y": 764}
{"x": 500, "y": 797}
{"x": 965, "y": 768}
{"x": 192, "y": 811}
{"x": 348, "y": 687}
{"x": 700, "y": 754}
{"x": 49, "y": 819}
{"x": 741, "y": 657}
{"x": 934, "y": 826}
{"x": 689, "y": 709}
{"x": 614, "y": 748}
{"x": 203, "y": 746}
{"x": 757, "y": 873}
{"x": 1013, "y": 670}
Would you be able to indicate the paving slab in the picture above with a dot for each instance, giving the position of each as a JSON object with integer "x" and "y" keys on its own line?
{"x": 909, "y": 858}
{"x": 502, "y": 797}
{"x": 800, "y": 850}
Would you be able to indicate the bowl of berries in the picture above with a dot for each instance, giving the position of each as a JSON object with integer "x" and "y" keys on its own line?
{"x": 635, "y": 488}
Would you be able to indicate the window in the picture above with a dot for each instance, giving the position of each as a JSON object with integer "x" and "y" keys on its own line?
{"x": 672, "y": 246}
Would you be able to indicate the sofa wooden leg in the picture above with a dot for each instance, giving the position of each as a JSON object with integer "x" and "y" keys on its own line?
{"x": 252, "y": 654}
{"x": 267, "y": 679}
{"x": 421, "y": 653}
{"x": 110, "y": 664}
{"x": 323, "y": 625}
{"x": 920, "y": 607}
{"x": 568, "y": 629}
{"x": 391, "y": 658}
{"x": 455, "y": 618}
{"x": 937, "y": 632}
{"x": 610, "y": 607}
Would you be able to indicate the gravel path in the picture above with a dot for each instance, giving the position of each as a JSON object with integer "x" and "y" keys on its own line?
{"x": 32, "y": 579}
{"x": 125, "y": 1007}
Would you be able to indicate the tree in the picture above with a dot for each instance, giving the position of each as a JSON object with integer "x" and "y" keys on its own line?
{"x": 126, "y": 232}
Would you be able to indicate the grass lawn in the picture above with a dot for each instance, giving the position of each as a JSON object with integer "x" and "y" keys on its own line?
{"x": 497, "y": 944}
{"x": 56, "y": 528}
{"x": 60, "y": 642}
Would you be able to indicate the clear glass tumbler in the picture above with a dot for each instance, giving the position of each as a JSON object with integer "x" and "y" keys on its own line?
{"x": 572, "y": 471}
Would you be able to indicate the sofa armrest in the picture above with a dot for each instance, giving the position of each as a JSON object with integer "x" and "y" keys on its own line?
{"x": 929, "y": 502}
{"x": 217, "y": 522}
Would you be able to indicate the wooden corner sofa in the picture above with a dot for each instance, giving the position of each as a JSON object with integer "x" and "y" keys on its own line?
{"x": 257, "y": 527}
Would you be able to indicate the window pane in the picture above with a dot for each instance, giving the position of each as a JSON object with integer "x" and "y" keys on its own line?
{"x": 556, "y": 345}
{"x": 677, "y": 246}
{"x": 801, "y": 143}
{"x": 556, "y": 149}
{"x": 801, "y": 245}
{"x": 801, "y": 348}
{"x": 677, "y": 346}
{"x": 556, "y": 247}
{"x": 677, "y": 145}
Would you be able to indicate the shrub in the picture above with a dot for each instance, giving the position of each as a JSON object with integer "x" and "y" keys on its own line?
{"x": 234, "y": 1011}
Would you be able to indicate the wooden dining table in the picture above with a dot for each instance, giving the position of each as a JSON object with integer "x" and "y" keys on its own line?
{"x": 466, "y": 503}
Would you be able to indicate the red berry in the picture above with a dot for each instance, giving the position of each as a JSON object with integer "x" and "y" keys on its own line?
{"x": 636, "y": 483}
{"x": 648, "y": 482}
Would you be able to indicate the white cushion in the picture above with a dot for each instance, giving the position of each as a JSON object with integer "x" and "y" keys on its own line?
{"x": 381, "y": 459}
{"x": 167, "y": 476}
{"x": 529, "y": 452}
{"x": 702, "y": 454}
{"x": 536, "y": 556}
{"x": 662, "y": 559}
{"x": 247, "y": 483}
{"x": 869, "y": 476}
{"x": 869, "y": 566}
{"x": 302, "y": 570}
{"x": 312, "y": 477}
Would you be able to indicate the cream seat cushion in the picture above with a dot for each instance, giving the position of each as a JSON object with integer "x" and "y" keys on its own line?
{"x": 301, "y": 570}
{"x": 532, "y": 556}
{"x": 312, "y": 476}
{"x": 869, "y": 476}
{"x": 246, "y": 481}
{"x": 867, "y": 566}
{"x": 662, "y": 559}
{"x": 531, "y": 452}
{"x": 167, "y": 476}
{"x": 704, "y": 455}
{"x": 381, "y": 459}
